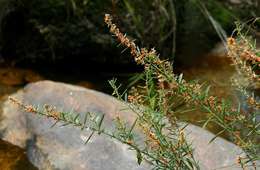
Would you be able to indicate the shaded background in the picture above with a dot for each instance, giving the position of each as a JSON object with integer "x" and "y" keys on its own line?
{"x": 71, "y": 34}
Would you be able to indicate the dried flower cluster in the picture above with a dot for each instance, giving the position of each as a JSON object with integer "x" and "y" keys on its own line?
{"x": 26, "y": 108}
{"x": 167, "y": 93}
{"x": 244, "y": 56}
{"x": 240, "y": 52}
{"x": 49, "y": 111}
{"x": 153, "y": 101}
{"x": 139, "y": 55}
{"x": 245, "y": 51}
{"x": 161, "y": 69}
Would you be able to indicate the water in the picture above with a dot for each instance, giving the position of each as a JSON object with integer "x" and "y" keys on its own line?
{"x": 13, "y": 158}
{"x": 215, "y": 71}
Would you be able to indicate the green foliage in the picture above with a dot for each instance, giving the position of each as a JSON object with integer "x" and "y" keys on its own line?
{"x": 5, "y": 8}
{"x": 153, "y": 22}
{"x": 55, "y": 29}
{"x": 164, "y": 94}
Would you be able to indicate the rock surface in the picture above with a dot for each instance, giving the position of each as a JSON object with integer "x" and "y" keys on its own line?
{"x": 63, "y": 147}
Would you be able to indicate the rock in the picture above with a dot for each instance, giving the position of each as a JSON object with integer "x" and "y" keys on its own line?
{"x": 219, "y": 50}
{"x": 63, "y": 147}
{"x": 235, "y": 1}
{"x": 220, "y": 154}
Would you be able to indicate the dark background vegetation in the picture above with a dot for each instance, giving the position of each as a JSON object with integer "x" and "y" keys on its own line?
{"x": 71, "y": 34}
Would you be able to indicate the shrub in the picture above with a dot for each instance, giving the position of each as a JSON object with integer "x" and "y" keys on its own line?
{"x": 157, "y": 102}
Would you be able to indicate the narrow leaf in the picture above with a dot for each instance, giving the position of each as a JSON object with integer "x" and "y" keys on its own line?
{"x": 92, "y": 133}
{"x": 100, "y": 123}
{"x": 139, "y": 157}
{"x": 54, "y": 123}
{"x": 219, "y": 133}
{"x": 85, "y": 121}
{"x": 76, "y": 117}
{"x": 207, "y": 122}
{"x": 132, "y": 127}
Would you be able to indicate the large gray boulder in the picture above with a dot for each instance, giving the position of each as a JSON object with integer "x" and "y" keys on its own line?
{"x": 63, "y": 147}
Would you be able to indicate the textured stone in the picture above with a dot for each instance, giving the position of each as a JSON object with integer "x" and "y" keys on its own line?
{"x": 63, "y": 147}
